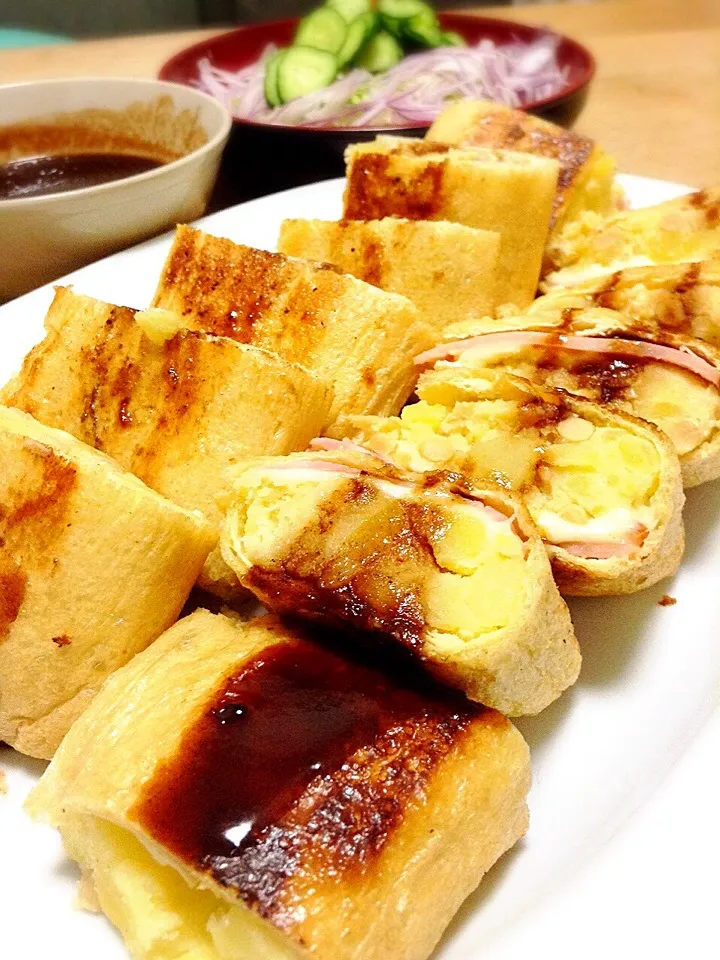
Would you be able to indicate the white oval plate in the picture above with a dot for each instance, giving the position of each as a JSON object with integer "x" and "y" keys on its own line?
{"x": 591, "y": 877}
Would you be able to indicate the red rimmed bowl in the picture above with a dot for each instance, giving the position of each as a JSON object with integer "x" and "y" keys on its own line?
{"x": 263, "y": 157}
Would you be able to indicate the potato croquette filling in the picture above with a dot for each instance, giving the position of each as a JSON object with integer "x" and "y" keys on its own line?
{"x": 409, "y": 561}
{"x": 685, "y": 406}
{"x": 582, "y": 483}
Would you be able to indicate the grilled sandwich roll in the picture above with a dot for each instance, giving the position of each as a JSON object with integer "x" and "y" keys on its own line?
{"x": 240, "y": 791}
{"x": 351, "y": 335}
{"x": 446, "y": 269}
{"x": 682, "y": 230}
{"x": 666, "y": 378}
{"x": 93, "y": 567}
{"x": 180, "y": 409}
{"x": 457, "y": 577}
{"x": 587, "y": 173}
{"x": 667, "y": 298}
{"x": 509, "y": 193}
{"x": 603, "y": 488}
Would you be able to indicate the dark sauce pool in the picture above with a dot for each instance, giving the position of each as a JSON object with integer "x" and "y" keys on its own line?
{"x": 271, "y": 771}
{"x": 39, "y": 176}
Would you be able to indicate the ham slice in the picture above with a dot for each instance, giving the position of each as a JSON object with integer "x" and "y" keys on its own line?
{"x": 611, "y": 346}
{"x": 326, "y": 466}
{"x": 609, "y": 549}
{"x": 341, "y": 469}
{"x": 328, "y": 443}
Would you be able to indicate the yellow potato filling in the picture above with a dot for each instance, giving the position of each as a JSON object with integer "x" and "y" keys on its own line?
{"x": 684, "y": 406}
{"x": 474, "y": 584}
{"x": 580, "y": 481}
{"x": 667, "y": 233}
{"x": 160, "y": 916}
{"x": 594, "y": 189}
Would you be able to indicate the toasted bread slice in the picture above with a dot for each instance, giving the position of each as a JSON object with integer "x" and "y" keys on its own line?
{"x": 682, "y": 230}
{"x": 603, "y": 488}
{"x": 181, "y": 410}
{"x": 669, "y": 379}
{"x": 587, "y": 173}
{"x": 240, "y": 791}
{"x": 458, "y": 578}
{"x": 446, "y": 269}
{"x": 93, "y": 567}
{"x": 354, "y": 337}
{"x": 509, "y": 193}
{"x": 179, "y": 414}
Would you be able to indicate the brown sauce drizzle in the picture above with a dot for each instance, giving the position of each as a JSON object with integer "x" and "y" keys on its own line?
{"x": 605, "y": 378}
{"x": 303, "y": 763}
{"x": 608, "y": 380}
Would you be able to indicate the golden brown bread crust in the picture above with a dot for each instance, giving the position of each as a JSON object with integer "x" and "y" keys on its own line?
{"x": 351, "y": 335}
{"x": 510, "y": 193}
{"x": 93, "y": 567}
{"x": 446, "y": 269}
{"x": 180, "y": 415}
{"x": 484, "y": 124}
{"x": 398, "y": 864}
{"x": 375, "y": 561}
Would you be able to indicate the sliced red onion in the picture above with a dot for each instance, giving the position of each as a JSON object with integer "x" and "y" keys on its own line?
{"x": 414, "y": 91}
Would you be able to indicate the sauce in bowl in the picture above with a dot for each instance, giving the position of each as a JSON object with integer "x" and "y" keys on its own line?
{"x": 39, "y": 176}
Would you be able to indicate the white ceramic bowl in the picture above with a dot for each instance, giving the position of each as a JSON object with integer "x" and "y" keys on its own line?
{"x": 44, "y": 237}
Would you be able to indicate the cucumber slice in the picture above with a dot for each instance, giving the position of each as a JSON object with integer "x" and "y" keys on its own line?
{"x": 323, "y": 29}
{"x": 304, "y": 69}
{"x": 403, "y": 9}
{"x": 350, "y": 10}
{"x": 380, "y": 53}
{"x": 358, "y": 33}
{"x": 393, "y": 26}
{"x": 272, "y": 94}
{"x": 424, "y": 29}
{"x": 453, "y": 39}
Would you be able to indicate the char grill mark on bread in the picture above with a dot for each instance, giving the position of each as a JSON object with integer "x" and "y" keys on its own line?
{"x": 328, "y": 833}
{"x": 345, "y": 331}
{"x": 93, "y": 567}
{"x": 509, "y": 193}
{"x": 586, "y": 172}
{"x": 181, "y": 413}
{"x": 446, "y": 269}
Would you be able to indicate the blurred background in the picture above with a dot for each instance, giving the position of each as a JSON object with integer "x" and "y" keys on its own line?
{"x": 90, "y": 18}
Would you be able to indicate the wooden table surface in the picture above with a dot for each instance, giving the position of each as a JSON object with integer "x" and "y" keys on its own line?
{"x": 655, "y": 103}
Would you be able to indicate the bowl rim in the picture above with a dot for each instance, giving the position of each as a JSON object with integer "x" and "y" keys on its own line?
{"x": 453, "y": 19}
{"x": 215, "y": 142}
